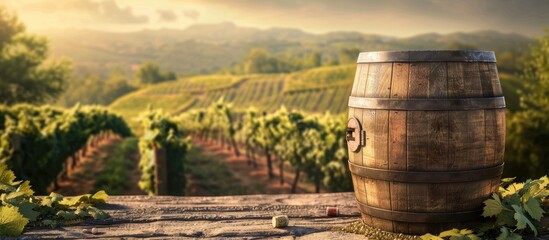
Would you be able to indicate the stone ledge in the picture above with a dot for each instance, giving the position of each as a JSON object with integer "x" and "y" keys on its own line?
{"x": 245, "y": 216}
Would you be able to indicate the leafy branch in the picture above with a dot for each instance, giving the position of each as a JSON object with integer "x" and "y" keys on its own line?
{"x": 20, "y": 208}
{"x": 515, "y": 209}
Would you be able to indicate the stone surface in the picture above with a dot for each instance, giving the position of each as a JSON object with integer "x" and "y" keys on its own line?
{"x": 240, "y": 217}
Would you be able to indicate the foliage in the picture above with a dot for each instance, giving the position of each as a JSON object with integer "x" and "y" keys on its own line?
{"x": 528, "y": 129}
{"x": 119, "y": 164}
{"x": 24, "y": 74}
{"x": 44, "y": 137}
{"x": 311, "y": 144}
{"x": 348, "y": 55}
{"x": 515, "y": 209}
{"x": 315, "y": 91}
{"x": 149, "y": 73}
{"x": 332, "y": 147}
{"x": 161, "y": 133}
{"x": 517, "y": 206}
{"x": 20, "y": 208}
{"x": 93, "y": 90}
{"x": 260, "y": 60}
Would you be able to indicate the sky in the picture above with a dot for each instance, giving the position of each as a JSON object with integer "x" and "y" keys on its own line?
{"x": 400, "y": 18}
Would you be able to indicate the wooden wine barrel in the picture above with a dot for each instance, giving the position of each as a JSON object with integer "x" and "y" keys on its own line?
{"x": 426, "y": 137}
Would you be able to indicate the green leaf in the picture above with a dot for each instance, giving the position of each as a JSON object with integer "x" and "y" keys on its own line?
{"x": 66, "y": 215}
{"x": 27, "y": 210}
{"x": 512, "y": 189}
{"x": 25, "y": 188}
{"x": 81, "y": 213}
{"x": 544, "y": 181}
{"x": 12, "y": 196}
{"x": 97, "y": 213}
{"x": 533, "y": 207}
{"x": 429, "y": 236}
{"x": 46, "y": 202}
{"x": 473, "y": 237}
{"x": 492, "y": 206}
{"x": 507, "y": 180}
{"x": 506, "y": 218}
{"x": 99, "y": 197}
{"x": 75, "y": 201}
{"x": 506, "y": 235}
{"x": 450, "y": 233}
{"x": 465, "y": 231}
{"x": 56, "y": 197}
{"x": 522, "y": 219}
{"x": 7, "y": 178}
{"x": 486, "y": 226}
{"x": 51, "y": 223}
{"x": 12, "y": 222}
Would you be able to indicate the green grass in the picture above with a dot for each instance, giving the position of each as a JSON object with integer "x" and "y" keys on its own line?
{"x": 114, "y": 177}
{"x": 211, "y": 175}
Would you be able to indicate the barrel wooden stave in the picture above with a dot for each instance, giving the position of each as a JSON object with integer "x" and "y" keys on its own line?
{"x": 427, "y": 140}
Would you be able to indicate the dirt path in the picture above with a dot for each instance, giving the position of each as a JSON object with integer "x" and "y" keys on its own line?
{"x": 256, "y": 179}
{"x": 135, "y": 176}
{"x": 82, "y": 179}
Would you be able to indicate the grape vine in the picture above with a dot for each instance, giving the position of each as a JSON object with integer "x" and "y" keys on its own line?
{"x": 20, "y": 208}
{"x": 515, "y": 209}
{"x": 35, "y": 142}
{"x": 162, "y": 139}
{"x": 310, "y": 144}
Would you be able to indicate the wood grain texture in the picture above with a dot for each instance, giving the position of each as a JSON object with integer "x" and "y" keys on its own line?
{"x": 362, "y": 194}
{"x": 397, "y": 143}
{"x": 417, "y": 141}
{"x": 247, "y": 216}
{"x": 429, "y": 140}
{"x": 381, "y": 89}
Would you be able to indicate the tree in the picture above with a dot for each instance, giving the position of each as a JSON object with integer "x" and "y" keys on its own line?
{"x": 116, "y": 86}
{"x": 312, "y": 60}
{"x": 24, "y": 75}
{"x": 94, "y": 90}
{"x": 527, "y": 154}
{"x": 149, "y": 73}
{"x": 348, "y": 55}
{"x": 258, "y": 61}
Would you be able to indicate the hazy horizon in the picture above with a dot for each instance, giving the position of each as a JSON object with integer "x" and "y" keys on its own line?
{"x": 399, "y": 18}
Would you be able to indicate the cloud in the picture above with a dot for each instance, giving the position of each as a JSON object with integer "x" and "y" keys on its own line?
{"x": 192, "y": 14}
{"x": 115, "y": 14}
{"x": 106, "y": 11}
{"x": 526, "y": 17}
{"x": 166, "y": 15}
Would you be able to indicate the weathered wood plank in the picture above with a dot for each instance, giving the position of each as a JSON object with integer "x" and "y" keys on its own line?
{"x": 229, "y": 216}
{"x": 362, "y": 185}
{"x": 397, "y": 142}
{"x": 375, "y": 87}
{"x": 417, "y": 141}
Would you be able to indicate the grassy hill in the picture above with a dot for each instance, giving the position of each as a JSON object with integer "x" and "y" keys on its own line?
{"x": 314, "y": 90}
{"x": 267, "y": 92}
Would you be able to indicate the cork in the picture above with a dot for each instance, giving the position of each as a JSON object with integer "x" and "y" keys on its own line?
{"x": 332, "y": 211}
{"x": 280, "y": 221}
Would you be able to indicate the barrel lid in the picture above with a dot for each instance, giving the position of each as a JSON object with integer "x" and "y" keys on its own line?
{"x": 427, "y": 56}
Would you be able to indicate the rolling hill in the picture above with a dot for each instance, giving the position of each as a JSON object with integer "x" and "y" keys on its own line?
{"x": 207, "y": 48}
{"x": 314, "y": 90}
